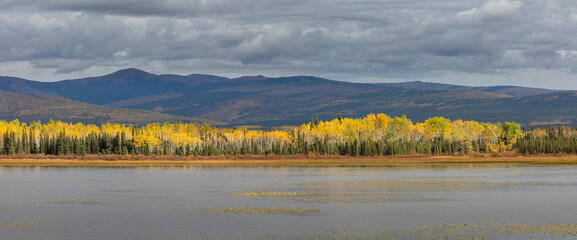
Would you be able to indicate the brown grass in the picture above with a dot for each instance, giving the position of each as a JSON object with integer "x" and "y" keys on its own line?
{"x": 146, "y": 161}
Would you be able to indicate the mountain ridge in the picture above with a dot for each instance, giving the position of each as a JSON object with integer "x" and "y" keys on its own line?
{"x": 29, "y": 108}
{"x": 504, "y": 89}
{"x": 276, "y": 101}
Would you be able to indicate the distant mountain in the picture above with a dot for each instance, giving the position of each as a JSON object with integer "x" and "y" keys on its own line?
{"x": 28, "y": 108}
{"x": 120, "y": 86}
{"x": 509, "y": 90}
{"x": 259, "y": 100}
{"x": 294, "y": 100}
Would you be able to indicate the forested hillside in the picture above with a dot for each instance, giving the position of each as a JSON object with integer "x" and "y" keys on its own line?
{"x": 508, "y": 90}
{"x": 29, "y": 108}
{"x": 271, "y": 102}
{"x": 372, "y": 135}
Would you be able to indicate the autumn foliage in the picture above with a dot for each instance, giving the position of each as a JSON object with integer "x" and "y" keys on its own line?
{"x": 375, "y": 134}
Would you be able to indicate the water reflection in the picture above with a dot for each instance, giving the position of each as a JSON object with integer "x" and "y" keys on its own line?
{"x": 278, "y": 166}
{"x": 269, "y": 201}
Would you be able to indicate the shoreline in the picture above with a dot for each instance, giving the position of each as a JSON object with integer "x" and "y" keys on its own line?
{"x": 148, "y": 161}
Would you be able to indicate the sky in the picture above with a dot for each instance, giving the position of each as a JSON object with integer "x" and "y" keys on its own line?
{"x": 474, "y": 42}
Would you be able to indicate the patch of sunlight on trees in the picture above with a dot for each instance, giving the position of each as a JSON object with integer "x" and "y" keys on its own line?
{"x": 375, "y": 134}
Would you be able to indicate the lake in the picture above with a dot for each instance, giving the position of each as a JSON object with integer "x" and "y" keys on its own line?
{"x": 414, "y": 201}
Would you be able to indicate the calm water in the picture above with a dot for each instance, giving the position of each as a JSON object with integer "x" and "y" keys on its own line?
{"x": 489, "y": 201}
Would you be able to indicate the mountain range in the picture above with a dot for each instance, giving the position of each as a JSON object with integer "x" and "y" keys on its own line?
{"x": 508, "y": 90}
{"x": 135, "y": 96}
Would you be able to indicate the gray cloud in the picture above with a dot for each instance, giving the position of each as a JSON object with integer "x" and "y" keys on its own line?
{"x": 403, "y": 39}
{"x": 171, "y": 8}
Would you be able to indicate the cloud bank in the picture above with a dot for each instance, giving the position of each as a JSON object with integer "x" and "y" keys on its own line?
{"x": 348, "y": 40}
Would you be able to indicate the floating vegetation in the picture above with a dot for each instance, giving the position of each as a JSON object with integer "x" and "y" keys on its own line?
{"x": 354, "y": 199}
{"x": 414, "y": 183}
{"x": 492, "y": 231}
{"x": 302, "y": 199}
{"x": 261, "y": 210}
{"x": 422, "y": 186}
{"x": 245, "y": 210}
{"x": 454, "y": 231}
{"x": 274, "y": 194}
{"x": 60, "y": 201}
{"x": 374, "y": 191}
{"x": 145, "y": 190}
{"x": 19, "y": 225}
{"x": 348, "y": 204}
{"x": 436, "y": 183}
{"x": 23, "y": 191}
{"x": 547, "y": 185}
{"x": 440, "y": 177}
{"x": 180, "y": 208}
{"x": 566, "y": 230}
{"x": 478, "y": 231}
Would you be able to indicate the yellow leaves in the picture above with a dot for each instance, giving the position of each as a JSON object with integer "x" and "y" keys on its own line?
{"x": 80, "y": 130}
{"x": 378, "y": 125}
{"x": 373, "y": 127}
{"x": 139, "y": 140}
{"x": 437, "y": 127}
{"x": 257, "y": 135}
{"x": 15, "y": 123}
{"x": 419, "y": 130}
{"x": 114, "y": 129}
{"x": 381, "y": 126}
{"x": 372, "y": 120}
{"x": 280, "y": 136}
{"x": 502, "y": 147}
{"x": 3, "y": 127}
{"x": 490, "y": 148}
{"x": 383, "y": 120}
{"x": 400, "y": 128}
{"x": 330, "y": 130}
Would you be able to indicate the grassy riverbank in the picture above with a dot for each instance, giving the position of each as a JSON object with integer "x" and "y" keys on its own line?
{"x": 300, "y": 160}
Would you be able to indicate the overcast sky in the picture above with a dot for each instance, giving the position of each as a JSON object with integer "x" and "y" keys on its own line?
{"x": 473, "y": 42}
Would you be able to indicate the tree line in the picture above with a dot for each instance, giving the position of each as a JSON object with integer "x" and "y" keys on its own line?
{"x": 373, "y": 135}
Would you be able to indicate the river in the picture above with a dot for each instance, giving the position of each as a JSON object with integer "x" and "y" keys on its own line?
{"x": 413, "y": 201}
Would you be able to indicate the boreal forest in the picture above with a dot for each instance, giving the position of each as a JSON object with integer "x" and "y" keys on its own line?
{"x": 375, "y": 134}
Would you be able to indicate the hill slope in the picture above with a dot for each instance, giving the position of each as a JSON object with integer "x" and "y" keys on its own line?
{"x": 259, "y": 100}
{"x": 509, "y": 90}
{"x": 294, "y": 100}
{"x": 123, "y": 86}
{"x": 29, "y": 108}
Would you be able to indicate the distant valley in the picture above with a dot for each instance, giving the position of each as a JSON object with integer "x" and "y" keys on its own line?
{"x": 135, "y": 96}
